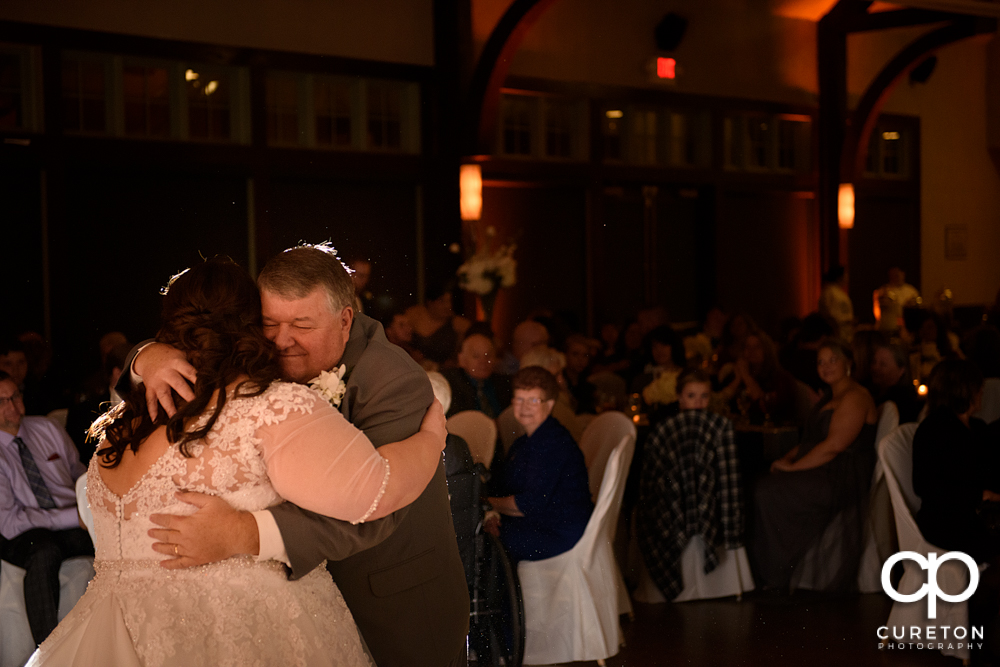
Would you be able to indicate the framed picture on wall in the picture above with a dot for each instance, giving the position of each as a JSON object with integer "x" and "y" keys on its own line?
{"x": 956, "y": 238}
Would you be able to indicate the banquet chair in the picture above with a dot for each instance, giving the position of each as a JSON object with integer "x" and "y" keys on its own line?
{"x": 478, "y": 431}
{"x": 732, "y": 576}
{"x": 879, "y": 529}
{"x": 16, "y": 643}
{"x": 611, "y": 385}
{"x": 602, "y": 435}
{"x": 59, "y": 416}
{"x": 895, "y": 452}
{"x": 571, "y": 603}
{"x": 821, "y": 564}
{"x": 990, "y": 410}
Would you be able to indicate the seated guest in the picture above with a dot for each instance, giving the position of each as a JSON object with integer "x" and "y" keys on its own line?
{"x": 38, "y": 470}
{"x": 933, "y": 343}
{"x": 611, "y": 357}
{"x": 85, "y": 412}
{"x": 14, "y": 362}
{"x": 956, "y": 475}
{"x": 665, "y": 361}
{"x": 436, "y": 328}
{"x": 554, "y": 362}
{"x": 474, "y": 384}
{"x": 543, "y": 492}
{"x": 953, "y": 467}
{"x": 757, "y": 384}
{"x": 527, "y": 335}
{"x": 891, "y": 381}
{"x": 690, "y": 485}
{"x": 576, "y": 372}
{"x": 829, "y": 472}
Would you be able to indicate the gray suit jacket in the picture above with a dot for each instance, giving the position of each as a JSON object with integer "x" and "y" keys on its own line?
{"x": 401, "y": 576}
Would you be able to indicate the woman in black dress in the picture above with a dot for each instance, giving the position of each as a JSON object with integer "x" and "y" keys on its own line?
{"x": 828, "y": 472}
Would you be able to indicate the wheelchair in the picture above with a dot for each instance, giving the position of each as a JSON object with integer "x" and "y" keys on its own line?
{"x": 496, "y": 616}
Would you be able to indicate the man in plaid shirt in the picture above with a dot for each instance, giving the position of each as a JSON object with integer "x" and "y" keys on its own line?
{"x": 690, "y": 486}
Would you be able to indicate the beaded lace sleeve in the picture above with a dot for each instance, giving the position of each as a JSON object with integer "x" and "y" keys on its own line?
{"x": 318, "y": 460}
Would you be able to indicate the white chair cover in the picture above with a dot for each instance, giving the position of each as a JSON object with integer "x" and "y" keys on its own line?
{"x": 478, "y": 431}
{"x": 59, "y": 416}
{"x": 571, "y": 601}
{"x": 16, "y": 643}
{"x": 732, "y": 576}
{"x": 603, "y": 434}
{"x": 990, "y": 410}
{"x": 895, "y": 452}
{"x": 879, "y": 524}
{"x": 509, "y": 428}
{"x": 83, "y": 506}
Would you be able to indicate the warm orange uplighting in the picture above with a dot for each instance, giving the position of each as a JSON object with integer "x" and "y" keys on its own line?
{"x": 845, "y": 206}
{"x": 614, "y": 113}
{"x": 666, "y": 68}
{"x": 470, "y": 183}
{"x": 922, "y": 390}
{"x": 635, "y": 418}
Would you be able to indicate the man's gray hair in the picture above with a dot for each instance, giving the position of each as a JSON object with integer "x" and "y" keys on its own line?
{"x": 295, "y": 273}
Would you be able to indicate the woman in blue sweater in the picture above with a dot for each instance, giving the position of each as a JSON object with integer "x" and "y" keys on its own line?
{"x": 542, "y": 490}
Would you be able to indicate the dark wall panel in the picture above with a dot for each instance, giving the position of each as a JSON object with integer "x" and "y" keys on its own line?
{"x": 21, "y": 231}
{"x": 368, "y": 220}
{"x": 122, "y": 235}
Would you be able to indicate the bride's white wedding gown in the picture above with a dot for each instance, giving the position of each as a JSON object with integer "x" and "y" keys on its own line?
{"x": 288, "y": 442}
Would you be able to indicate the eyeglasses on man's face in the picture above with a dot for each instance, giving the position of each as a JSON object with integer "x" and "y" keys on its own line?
{"x": 4, "y": 400}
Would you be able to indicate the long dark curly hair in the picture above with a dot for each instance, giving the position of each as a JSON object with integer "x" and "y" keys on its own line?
{"x": 211, "y": 312}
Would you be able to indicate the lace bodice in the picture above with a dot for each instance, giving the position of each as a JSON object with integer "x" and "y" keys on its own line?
{"x": 288, "y": 442}
{"x": 309, "y": 447}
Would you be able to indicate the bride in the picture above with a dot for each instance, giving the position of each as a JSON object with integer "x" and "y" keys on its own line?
{"x": 251, "y": 440}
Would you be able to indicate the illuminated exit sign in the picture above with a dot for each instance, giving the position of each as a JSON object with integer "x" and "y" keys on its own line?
{"x": 666, "y": 68}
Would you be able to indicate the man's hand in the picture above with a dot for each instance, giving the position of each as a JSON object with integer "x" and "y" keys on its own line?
{"x": 215, "y": 532}
{"x": 163, "y": 368}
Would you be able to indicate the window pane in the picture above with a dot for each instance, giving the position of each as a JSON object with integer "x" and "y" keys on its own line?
{"x": 11, "y": 93}
{"x": 208, "y": 105}
{"x": 517, "y": 116}
{"x": 147, "y": 101}
{"x": 384, "y": 116}
{"x": 611, "y": 129}
{"x": 759, "y": 140}
{"x": 558, "y": 129}
{"x": 892, "y": 153}
{"x": 644, "y": 137}
{"x": 282, "y": 109}
{"x": 332, "y": 105}
{"x": 84, "y": 101}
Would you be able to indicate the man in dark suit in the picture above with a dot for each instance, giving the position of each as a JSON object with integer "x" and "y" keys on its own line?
{"x": 401, "y": 576}
{"x": 474, "y": 384}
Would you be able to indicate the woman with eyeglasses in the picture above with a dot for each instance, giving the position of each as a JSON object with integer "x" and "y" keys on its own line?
{"x": 542, "y": 490}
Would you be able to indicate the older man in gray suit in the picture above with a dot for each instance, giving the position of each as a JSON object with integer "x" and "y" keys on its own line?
{"x": 401, "y": 576}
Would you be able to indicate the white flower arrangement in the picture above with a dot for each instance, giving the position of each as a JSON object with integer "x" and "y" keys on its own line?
{"x": 484, "y": 273}
{"x": 331, "y": 384}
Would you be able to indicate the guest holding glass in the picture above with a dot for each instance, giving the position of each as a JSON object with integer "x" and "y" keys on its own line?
{"x": 828, "y": 473}
{"x": 542, "y": 490}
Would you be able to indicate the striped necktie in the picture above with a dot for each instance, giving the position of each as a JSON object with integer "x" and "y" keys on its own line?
{"x": 34, "y": 476}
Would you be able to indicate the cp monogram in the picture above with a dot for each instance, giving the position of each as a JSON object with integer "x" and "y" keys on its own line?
{"x": 930, "y": 590}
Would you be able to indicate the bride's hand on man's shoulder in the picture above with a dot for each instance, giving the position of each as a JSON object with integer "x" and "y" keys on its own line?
{"x": 164, "y": 368}
{"x": 434, "y": 422}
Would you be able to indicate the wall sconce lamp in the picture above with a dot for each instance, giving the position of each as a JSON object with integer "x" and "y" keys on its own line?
{"x": 845, "y": 206}
{"x": 470, "y": 183}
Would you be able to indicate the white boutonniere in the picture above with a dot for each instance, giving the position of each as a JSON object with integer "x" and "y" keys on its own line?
{"x": 331, "y": 384}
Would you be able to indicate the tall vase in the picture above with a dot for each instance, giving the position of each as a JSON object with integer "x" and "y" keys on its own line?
{"x": 487, "y": 301}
